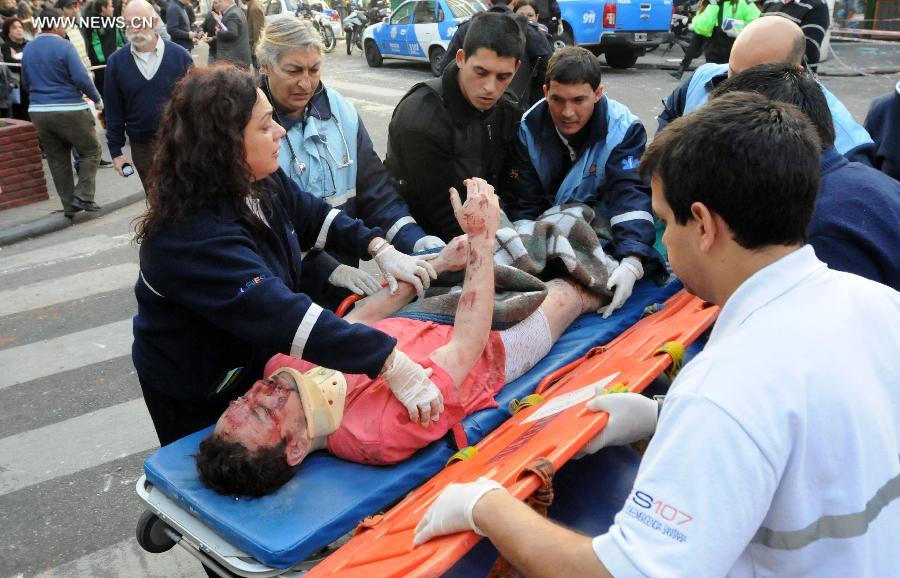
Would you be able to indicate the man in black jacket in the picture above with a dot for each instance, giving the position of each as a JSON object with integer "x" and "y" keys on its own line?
{"x": 458, "y": 126}
{"x": 528, "y": 80}
{"x": 812, "y": 16}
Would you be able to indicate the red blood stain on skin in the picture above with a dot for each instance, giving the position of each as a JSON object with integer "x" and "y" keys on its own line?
{"x": 468, "y": 300}
{"x": 474, "y": 258}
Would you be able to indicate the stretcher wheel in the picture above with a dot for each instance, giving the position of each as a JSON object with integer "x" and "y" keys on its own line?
{"x": 151, "y": 534}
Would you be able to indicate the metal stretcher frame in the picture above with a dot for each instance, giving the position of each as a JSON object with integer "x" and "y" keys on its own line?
{"x": 172, "y": 521}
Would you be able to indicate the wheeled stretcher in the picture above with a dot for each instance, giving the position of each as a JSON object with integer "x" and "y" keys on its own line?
{"x": 328, "y": 497}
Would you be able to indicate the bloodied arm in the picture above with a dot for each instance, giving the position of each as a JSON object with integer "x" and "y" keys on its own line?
{"x": 479, "y": 217}
{"x": 453, "y": 257}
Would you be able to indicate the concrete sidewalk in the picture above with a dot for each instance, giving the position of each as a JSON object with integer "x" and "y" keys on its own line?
{"x": 844, "y": 59}
{"x": 113, "y": 192}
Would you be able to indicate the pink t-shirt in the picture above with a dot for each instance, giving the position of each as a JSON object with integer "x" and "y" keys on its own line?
{"x": 376, "y": 427}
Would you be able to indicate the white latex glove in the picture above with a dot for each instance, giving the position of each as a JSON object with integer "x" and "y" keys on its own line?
{"x": 354, "y": 279}
{"x": 623, "y": 279}
{"x": 411, "y": 385}
{"x": 560, "y": 29}
{"x": 428, "y": 242}
{"x": 632, "y": 417}
{"x": 99, "y": 105}
{"x": 414, "y": 270}
{"x": 451, "y": 512}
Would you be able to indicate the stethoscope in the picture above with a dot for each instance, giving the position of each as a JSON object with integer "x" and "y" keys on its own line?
{"x": 320, "y": 139}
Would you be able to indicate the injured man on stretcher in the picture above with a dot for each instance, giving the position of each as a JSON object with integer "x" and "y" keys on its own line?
{"x": 298, "y": 408}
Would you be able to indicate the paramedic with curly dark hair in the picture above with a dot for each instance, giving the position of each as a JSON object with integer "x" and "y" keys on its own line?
{"x": 220, "y": 250}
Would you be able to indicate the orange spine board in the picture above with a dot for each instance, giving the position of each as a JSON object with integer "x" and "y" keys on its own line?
{"x": 553, "y": 430}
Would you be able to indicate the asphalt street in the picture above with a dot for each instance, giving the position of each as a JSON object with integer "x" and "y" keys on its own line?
{"x": 73, "y": 427}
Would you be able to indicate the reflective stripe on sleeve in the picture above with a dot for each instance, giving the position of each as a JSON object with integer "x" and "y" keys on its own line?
{"x": 305, "y": 328}
{"x": 398, "y": 224}
{"x": 323, "y": 234}
{"x": 841, "y": 526}
{"x": 630, "y": 216}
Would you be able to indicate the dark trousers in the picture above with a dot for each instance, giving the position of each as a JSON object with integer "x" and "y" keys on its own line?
{"x": 694, "y": 50}
{"x": 142, "y": 155}
{"x": 60, "y": 132}
{"x": 173, "y": 418}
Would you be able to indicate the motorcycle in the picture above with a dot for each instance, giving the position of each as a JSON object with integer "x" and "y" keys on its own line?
{"x": 320, "y": 22}
{"x": 378, "y": 11}
{"x": 354, "y": 25}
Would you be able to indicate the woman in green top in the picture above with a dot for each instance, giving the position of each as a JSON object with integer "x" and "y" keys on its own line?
{"x": 101, "y": 42}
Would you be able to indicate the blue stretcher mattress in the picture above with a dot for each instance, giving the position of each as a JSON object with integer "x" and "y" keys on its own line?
{"x": 328, "y": 496}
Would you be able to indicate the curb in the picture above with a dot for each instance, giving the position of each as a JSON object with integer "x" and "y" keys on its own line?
{"x": 58, "y": 222}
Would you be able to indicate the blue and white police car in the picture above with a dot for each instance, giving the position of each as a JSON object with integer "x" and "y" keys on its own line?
{"x": 417, "y": 30}
{"x": 621, "y": 30}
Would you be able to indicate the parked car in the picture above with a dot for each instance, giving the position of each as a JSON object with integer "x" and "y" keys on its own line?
{"x": 288, "y": 8}
{"x": 417, "y": 30}
{"x": 621, "y": 30}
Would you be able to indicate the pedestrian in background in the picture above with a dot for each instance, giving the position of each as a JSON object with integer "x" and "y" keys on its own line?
{"x": 25, "y": 12}
{"x": 72, "y": 9}
{"x": 13, "y": 46}
{"x": 209, "y": 27}
{"x": 256, "y": 21}
{"x": 812, "y": 16}
{"x": 102, "y": 41}
{"x": 233, "y": 39}
{"x": 139, "y": 83}
{"x": 178, "y": 25}
{"x": 54, "y": 75}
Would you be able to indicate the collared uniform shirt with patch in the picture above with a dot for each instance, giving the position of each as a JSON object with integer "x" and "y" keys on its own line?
{"x": 776, "y": 453}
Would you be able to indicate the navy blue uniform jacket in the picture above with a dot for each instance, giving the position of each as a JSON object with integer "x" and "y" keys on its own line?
{"x": 623, "y": 192}
{"x": 854, "y": 223}
{"x": 213, "y": 296}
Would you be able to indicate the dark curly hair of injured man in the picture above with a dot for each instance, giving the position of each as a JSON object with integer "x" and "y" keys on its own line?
{"x": 230, "y": 468}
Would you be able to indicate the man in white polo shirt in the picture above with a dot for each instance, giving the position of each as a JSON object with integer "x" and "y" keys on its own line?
{"x": 777, "y": 451}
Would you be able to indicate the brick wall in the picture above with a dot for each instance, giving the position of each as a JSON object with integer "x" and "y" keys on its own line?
{"x": 21, "y": 173}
